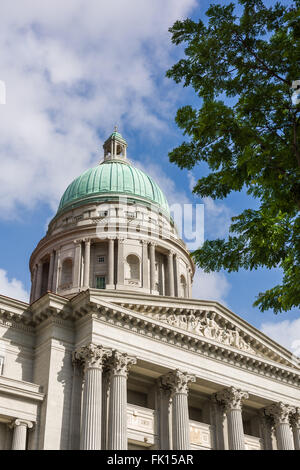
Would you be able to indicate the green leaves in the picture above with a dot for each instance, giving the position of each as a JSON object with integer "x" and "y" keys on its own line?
{"x": 251, "y": 143}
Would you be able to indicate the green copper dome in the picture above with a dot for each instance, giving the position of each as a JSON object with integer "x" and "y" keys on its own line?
{"x": 109, "y": 180}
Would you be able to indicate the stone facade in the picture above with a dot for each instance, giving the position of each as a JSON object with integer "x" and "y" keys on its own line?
{"x": 112, "y": 352}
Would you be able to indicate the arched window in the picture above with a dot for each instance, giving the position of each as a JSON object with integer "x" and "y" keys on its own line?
{"x": 133, "y": 267}
{"x": 66, "y": 273}
{"x": 182, "y": 286}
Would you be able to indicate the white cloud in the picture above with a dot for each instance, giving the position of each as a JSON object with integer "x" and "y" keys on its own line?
{"x": 217, "y": 214}
{"x": 12, "y": 287}
{"x": 72, "y": 70}
{"x": 286, "y": 333}
{"x": 210, "y": 286}
{"x": 217, "y": 218}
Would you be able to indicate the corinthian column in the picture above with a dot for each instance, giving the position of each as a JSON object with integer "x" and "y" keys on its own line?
{"x": 178, "y": 383}
{"x": 281, "y": 413}
{"x": 119, "y": 365}
{"x": 295, "y": 423}
{"x": 232, "y": 398}
{"x": 91, "y": 357}
{"x": 20, "y": 427}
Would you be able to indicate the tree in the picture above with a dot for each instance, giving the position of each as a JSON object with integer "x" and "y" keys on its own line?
{"x": 251, "y": 61}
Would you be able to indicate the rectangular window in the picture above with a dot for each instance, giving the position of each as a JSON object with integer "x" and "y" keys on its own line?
{"x": 103, "y": 213}
{"x": 101, "y": 259}
{"x": 100, "y": 282}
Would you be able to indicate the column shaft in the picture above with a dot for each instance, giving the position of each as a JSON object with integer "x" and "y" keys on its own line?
{"x": 111, "y": 275}
{"x": 171, "y": 274}
{"x": 57, "y": 270}
{"x": 77, "y": 264}
{"x": 87, "y": 256}
{"x": 235, "y": 429}
{"x": 33, "y": 284}
{"x": 20, "y": 434}
{"x": 180, "y": 422}
{"x": 295, "y": 423}
{"x": 284, "y": 437}
{"x": 296, "y": 435}
{"x": 105, "y": 409}
{"x": 177, "y": 280}
{"x": 145, "y": 266}
{"x": 152, "y": 266}
{"x": 91, "y": 413}
{"x": 117, "y": 438}
{"x": 189, "y": 283}
{"x": 51, "y": 269}
{"x": 120, "y": 273}
{"x": 39, "y": 280}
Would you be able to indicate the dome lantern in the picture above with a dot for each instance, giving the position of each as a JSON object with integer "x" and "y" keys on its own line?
{"x": 115, "y": 147}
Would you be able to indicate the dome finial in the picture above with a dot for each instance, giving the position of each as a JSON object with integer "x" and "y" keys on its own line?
{"x": 115, "y": 147}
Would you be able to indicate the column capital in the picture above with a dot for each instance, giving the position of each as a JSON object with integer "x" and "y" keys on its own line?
{"x": 154, "y": 244}
{"x": 280, "y": 412}
{"x": 21, "y": 422}
{"x": 177, "y": 381}
{"x": 232, "y": 398}
{"x": 91, "y": 356}
{"x": 77, "y": 241}
{"x": 111, "y": 238}
{"x": 295, "y": 418}
{"x": 171, "y": 253}
{"x": 87, "y": 240}
{"x": 120, "y": 363}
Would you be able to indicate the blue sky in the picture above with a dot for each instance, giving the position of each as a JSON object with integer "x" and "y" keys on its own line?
{"x": 73, "y": 70}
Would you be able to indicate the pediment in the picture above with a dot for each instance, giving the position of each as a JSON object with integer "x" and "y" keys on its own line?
{"x": 214, "y": 323}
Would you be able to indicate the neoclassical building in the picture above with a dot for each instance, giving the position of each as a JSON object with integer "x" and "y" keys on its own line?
{"x": 112, "y": 352}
